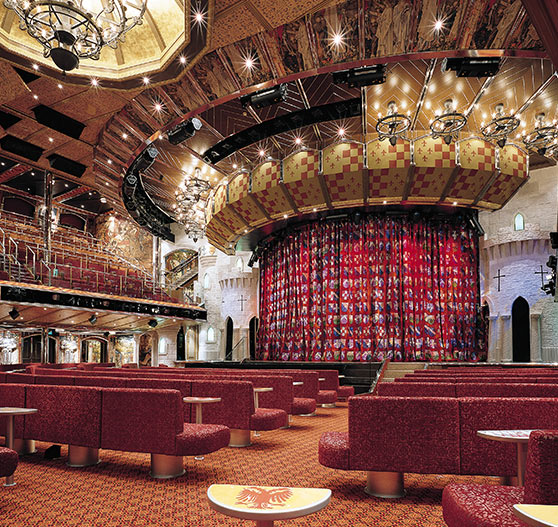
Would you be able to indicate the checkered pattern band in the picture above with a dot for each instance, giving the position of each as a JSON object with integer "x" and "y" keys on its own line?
{"x": 238, "y": 187}
{"x": 343, "y": 158}
{"x": 434, "y": 152}
{"x": 476, "y": 154}
{"x": 381, "y": 155}
{"x": 301, "y": 166}
{"x": 513, "y": 161}
{"x": 306, "y": 193}
{"x": 266, "y": 176}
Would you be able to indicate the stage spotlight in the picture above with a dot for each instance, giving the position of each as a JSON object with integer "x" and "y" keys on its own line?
{"x": 152, "y": 323}
{"x": 358, "y": 77}
{"x": 93, "y": 319}
{"x": 184, "y": 131}
{"x": 472, "y": 66}
{"x": 263, "y": 98}
{"x": 14, "y": 313}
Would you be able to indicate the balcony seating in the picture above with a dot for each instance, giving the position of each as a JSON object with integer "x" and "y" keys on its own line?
{"x": 470, "y": 505}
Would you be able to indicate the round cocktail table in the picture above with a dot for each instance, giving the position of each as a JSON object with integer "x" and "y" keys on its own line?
{"x": 264, "y": 505}
{"x": 537, "y": 515}
{"x": 520, "y": 438}
{"x": 11, "y": 412}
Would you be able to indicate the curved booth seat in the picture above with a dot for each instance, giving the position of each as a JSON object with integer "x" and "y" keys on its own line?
{"x": 304, "y": 406}
{"x": 8, "y": 461}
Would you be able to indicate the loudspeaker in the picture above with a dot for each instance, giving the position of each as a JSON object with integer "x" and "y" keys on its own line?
{"x": 152, "y": 323}
{"x": 64, "y": 164}
{"x": 21, "y": 148}
{"x": 7, "y": 120}
{"x": 58, "y": 121}
{"x": 53, "y": 452}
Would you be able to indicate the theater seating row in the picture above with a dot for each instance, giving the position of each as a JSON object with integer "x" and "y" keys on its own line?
{"x": 236, "y": 409}
{"x": 389, "y": 436}
{"x": 468, "y": 389}
{"x": 132, "y": 420}
{"x": 473, "y": 505}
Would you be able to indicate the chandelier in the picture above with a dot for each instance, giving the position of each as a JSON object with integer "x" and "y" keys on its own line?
{"x": 500, "y": 127}
{"x": 543, "y": 137}
{"x": 72, "y": 30}
{"x": 448, "y": 123}
{"x": 189, "y": 208}
{"x": 393, "y": 125}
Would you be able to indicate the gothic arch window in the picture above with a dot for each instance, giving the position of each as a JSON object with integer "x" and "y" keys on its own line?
{"x": 519, "y": 222}
{"x": 210, "y": 334}
{"x": 239, "y": 264}
{"x": 206, "y": 283}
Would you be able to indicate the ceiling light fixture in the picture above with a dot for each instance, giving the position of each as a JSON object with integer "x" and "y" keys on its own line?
{"x": 70, "y": 31}
{"x": 190, "y": 199}
{"x": 448, "y": 123}
{"x": 500, "y": 127}
{"x": 393, "y": 125}
{"x": 542, "y": 137}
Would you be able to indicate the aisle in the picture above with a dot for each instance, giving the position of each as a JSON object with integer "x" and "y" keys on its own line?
{"x": 119, "y": 492}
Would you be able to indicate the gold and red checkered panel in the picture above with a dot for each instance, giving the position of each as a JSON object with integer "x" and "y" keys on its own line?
{"x": 220, "y": 199}
{"x": 249, "y": 210}
{"x": 514, "y": 161}
{"x": 300, "y": 175}
{"x": 266, "y": 175}
{"x": 228, "y": 218}
{"x": 218, "y": 232}
{"x": 274, "y": 201}
{"x": 434, "y": 164}
{"x": 388, "y": 167}
{"x": 301, "y": 166}
{"x": 468, "y": 185}
{"x": 345, "y": 188}
{"x": 346, "y": 158}
{"x": 477, "y": 154}
{"x": 239, "y": 187}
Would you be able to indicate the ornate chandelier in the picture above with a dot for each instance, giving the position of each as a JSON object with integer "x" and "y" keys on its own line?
{"x": 70, "y": 30}
{"x": 393, "y": 125}
{"x": 500, "y": 127}
{"x": 190, "y": 204}
{"x": 543, "y": 137}
{"x": 448, "y": 123}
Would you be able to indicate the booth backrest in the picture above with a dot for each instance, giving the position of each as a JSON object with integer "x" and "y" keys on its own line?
{"x": 506, "y": 390}
{"x": 141, "y": 420}
{"x": 541, "y": 474}
{"x": 106, "y": 382}
{"x": 331, "y": 379}
{"x": 66, "y": 414}
{"x": 12, "y": 395}
{"x": 416, "y": 389}
{"x": 59, "y": 380}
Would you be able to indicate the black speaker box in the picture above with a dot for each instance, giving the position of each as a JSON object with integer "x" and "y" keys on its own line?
{"x": 64, "y": 164}
{"x": 21, "y": 148}
{"x": 58, "y": 121}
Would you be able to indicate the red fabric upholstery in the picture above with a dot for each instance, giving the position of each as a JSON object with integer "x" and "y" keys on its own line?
{"x": 310, "y": 383}
{"x": 2, "y": 377}
{"x": 106, "y": 382}
{"x": 268, "y": 419}
{"x": 55, "y": 379}
{"x": 344, "y": 392}
{"x": 506, "y": 390}
{"x": 51, "y": 371}
{"x": 416, "y": 389}
{"x": 541, "y": 474}
{"x": 333, "y": 450}
{"x": 141, "y": 420}
{"x": 481, "y": 505}
{"x": 331, "y": 379}
{"x": 236, "y": 406}
{"x": 303, "y": 406}
{"x": 422, "y": 434}
{"x": 66, "y": 414}
{"x": 8, "y": 461}
{"x": 494, "y": 458}
{"x": 326, "y": 397}
{"x": 196, "y": 440}
{"x": 12, "y": 395}
{"x": 20, "y": 378}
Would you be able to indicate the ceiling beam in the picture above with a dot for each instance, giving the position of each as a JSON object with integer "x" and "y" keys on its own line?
{"x": 544, "y": 16}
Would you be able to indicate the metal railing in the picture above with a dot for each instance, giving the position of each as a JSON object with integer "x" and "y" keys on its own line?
{"x": 237, "y": 345}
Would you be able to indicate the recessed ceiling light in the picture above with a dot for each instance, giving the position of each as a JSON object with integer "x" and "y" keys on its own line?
{"x": 35, "y": 96}
{"x": 285, "y": 216}
{"x": 249, "y": 62}
{"x": 298, "y": 140}
{"x": 158, "y": 107}
{"x": 199, "y": 17}
{"x": 262, "y": 153}
{"x": 235, "y": 166}
{"x": 182, "y": 59}
{"x": 341, "y": 132}
{"x": 438, "y": 25}
{"x": 35, "y": 67}
{"x": 51, "y": 139}
{"x": 337, "y": 39}
{"x": 94, "y": 82}
{"x": 110, "y": 161}
{"x": 146, "y": 80}
{"x": 60, "y": 86}
{"x": 66, "y": 185}
{"x": 124, "y": 136}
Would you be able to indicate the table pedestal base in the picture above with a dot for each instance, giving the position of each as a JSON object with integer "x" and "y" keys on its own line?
{"x": 328, "y": 405}
{"x": 239, "y": 438}
{"x": 24, "y": 446}
{"x": 166, "y": 467}
{"x": 82, "y": 456}
{"x": 308, "y": 415}
{"x": 510, "y": 481}
{"x": 385, "y": 484}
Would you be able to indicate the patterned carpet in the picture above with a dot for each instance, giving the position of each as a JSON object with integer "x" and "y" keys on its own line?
{"x": 119, "y": 492}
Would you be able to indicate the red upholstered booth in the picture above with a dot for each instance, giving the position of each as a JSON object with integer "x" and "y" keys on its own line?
{"x": 470, "y": 505}
{"x": 8, "y": 461}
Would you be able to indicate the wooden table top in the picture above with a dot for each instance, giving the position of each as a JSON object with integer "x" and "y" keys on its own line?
{"x": 511, "y": 436}
{"x": 10, "y": 410}
{"x": 202, "y": 400}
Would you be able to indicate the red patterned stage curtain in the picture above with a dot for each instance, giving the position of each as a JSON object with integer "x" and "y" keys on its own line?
{"x": 371, "y": 289}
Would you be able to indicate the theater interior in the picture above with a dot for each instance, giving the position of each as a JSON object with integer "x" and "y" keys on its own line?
{"x": 287, "y": 263}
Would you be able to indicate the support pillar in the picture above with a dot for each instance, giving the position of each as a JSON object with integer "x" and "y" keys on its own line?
{"x": 506, "y": 339}
{"x": 536, "y": 337}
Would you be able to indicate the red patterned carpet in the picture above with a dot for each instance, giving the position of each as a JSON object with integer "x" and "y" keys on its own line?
{"x": 119, "y": 492}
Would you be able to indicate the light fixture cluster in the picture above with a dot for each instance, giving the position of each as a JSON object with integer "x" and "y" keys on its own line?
{"x": 190, "y": 200}
{"x": 72, "y": 30}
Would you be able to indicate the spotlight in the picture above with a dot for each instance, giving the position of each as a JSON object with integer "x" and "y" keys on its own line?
{"x": 358, "y": 77}
{"x": 93, "y": 319}
{"x": 263, "y": 98}
{"x": 14, "y": 313}
{"x": 472, "y": 66}
{"x": 184, "y": 131}
{"x": 152, "y": 323}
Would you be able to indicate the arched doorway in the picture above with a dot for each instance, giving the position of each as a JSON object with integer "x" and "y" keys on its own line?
{"x": 94, "y": 350}
{"x": 228, "y": 338}
{"x": 51, "y": 350}
{"x": 32, "y": 348}
{"x": 254, "y": 324}
{"x": 520, "y": 331}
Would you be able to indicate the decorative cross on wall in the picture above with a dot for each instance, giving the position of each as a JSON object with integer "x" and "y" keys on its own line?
{"x": 542, "y": 273}
{"x": 499, "y": 277}
{"x": 242, "y": 300}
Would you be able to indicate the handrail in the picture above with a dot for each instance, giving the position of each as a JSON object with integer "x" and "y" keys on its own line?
{"x": 181, "y": 265}
{"x": 379, "y": 376}
{"x": 237, "y": 344}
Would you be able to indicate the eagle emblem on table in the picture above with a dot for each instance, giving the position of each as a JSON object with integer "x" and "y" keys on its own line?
{"x": 260, "y": 498}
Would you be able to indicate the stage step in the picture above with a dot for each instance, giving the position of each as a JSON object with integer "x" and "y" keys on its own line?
{"x": 396, "y": 370}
